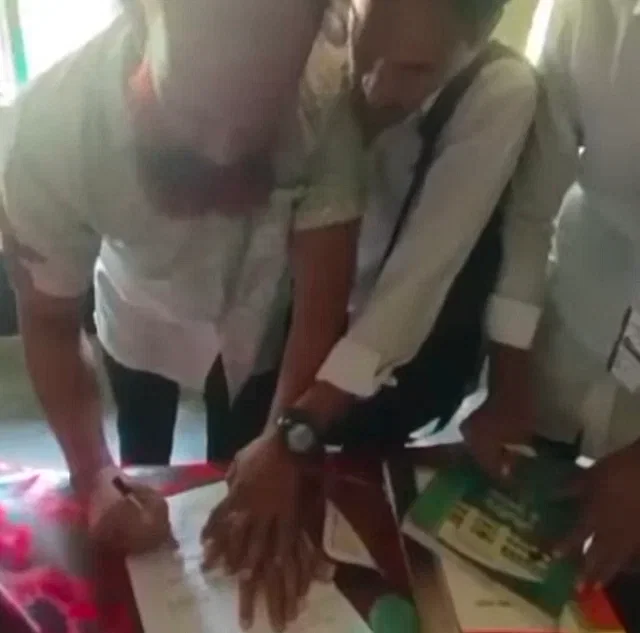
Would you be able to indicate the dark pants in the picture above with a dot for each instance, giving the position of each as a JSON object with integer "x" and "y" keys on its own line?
{"x": 147, "y": 406}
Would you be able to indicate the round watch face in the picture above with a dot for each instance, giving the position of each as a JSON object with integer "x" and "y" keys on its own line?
{"x": 301, "y": 438}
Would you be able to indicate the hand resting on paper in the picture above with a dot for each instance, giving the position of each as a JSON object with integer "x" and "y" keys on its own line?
{"x": 257, "y": 533}
{"x": 610, "y": 517}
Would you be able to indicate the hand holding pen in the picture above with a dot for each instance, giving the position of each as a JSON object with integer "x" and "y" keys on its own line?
{"x": 127, "y": 516}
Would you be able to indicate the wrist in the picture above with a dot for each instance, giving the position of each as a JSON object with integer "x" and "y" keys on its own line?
{"x": 510, "y": 378}
{"x": 300, "y": 463}
{"x": 86, "y": 476}
{"x": 325, "y": 405}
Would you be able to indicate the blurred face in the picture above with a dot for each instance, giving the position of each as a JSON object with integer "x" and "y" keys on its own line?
{"x": 218, "y": 81}
{"x": 402, "y": 50}
{"x": 182, "y": 180}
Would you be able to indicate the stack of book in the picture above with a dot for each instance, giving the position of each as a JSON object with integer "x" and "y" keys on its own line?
{"x": 480, "y": 556}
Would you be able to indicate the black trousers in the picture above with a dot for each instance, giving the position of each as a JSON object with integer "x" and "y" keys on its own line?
{"x": 147, "y": 406}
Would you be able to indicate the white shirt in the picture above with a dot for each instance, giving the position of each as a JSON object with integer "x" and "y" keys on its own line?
{"x": 588, "y": 142}
{"x": 475, "y": 158}
{"x": 171, "y": 293}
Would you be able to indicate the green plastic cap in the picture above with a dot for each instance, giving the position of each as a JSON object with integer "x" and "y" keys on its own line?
{"x": 394, "y": 614}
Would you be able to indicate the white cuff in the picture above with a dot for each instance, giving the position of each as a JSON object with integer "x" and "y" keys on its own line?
{"x": 512, "y": 322}
{"x": 354, "y": 368}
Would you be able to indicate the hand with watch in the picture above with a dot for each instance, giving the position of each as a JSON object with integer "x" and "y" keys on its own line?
{"x": 257, "y": 532}
{"x": 300, "y": 433}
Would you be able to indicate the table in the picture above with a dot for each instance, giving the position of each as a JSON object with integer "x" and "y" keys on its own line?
{"x": 49, "y": 567}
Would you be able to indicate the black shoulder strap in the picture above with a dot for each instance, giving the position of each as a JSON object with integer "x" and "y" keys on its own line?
{"x": 433, "y": 123}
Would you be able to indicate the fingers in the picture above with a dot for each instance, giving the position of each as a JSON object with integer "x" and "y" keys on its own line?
{"x": 573, "y": 544}
{"x": 126, "y": 528}
{"x": 248, "y": 593}
{"x": 212, "y": 554}
{"x": 507, "y": 463}
{"x": 215, "y": 523}
{"x": 487, "y": 451}
{"x": 215, "y": 534}
{"x": 290, "y": 589}
{"x": 605, "y": 559}
{"x": 306, "y": 566}
{"x": 256, "y": 551}
{"x": 240, "y": 534}
{"x": 283, "y": 596}
{"x": 284, "y": 539}
{"x": 274, "y": 594}
{"x": 492, "y": 458}
{"x": 103, "y": 528}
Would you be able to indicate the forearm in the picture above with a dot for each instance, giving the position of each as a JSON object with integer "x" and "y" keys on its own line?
{"x": 308, "y": 345}
{"x": 510, "y": 377}
{"x": 64, "y": 378}
{"x": 323, "y": 263}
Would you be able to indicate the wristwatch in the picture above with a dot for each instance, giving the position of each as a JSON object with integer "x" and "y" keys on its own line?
{"x": 298, "y": 432}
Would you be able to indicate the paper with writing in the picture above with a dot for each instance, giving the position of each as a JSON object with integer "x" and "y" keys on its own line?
{"x": 173, "y": 594}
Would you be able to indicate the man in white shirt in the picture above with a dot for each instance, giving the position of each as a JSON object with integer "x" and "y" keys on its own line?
{"x": 406, "y": 50}
{"x": 585, "y": 357}
{"x": 192, "y": 178}
{"x": 394, "y": 310}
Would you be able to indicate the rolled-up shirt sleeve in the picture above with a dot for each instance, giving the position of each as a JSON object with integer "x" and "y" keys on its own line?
{"x": 545, "y": 172}
{"x": 474, "y": 161}
{"x": 53, "y": 245}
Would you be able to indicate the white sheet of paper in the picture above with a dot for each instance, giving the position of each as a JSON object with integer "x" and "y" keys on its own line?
{"x": 174, "y": 595}
{"x": 342, "y": 543}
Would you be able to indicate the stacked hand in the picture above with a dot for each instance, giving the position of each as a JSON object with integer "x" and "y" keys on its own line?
{"x": 257, "y": 533}
{"x": 117, "y": 523}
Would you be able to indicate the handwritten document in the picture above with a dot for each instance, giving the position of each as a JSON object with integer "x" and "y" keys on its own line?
{"x": 174, "y": 595}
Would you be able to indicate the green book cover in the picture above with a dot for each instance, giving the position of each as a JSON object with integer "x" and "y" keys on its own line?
{"x": 501, "y": 531}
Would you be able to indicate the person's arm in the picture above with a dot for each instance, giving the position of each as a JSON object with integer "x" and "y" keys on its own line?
{"x": 266, "y": 483}
{"x": 50, "y": 258}
{"x": 323, "y": 245}
{"x": 476, "y": 158}
{"x": 322, "y": 263}
{"x": 546, "y": 170}
{"x": 59, "y": 362}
